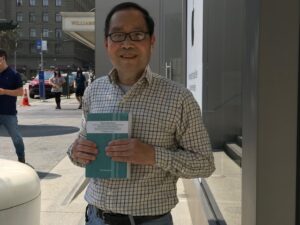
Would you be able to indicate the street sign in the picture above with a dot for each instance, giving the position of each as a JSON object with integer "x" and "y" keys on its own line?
{"x": 41, "y": 45}
{"x": 38, "y": 44}
{"x": 41, "y": 85}
{"x": 44, "y": 45}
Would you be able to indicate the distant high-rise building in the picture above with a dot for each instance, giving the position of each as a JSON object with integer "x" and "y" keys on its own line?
{"x": 41, "y": 19}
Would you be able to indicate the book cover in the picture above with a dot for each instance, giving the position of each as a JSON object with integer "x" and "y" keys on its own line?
{"x": 101, "y": 129}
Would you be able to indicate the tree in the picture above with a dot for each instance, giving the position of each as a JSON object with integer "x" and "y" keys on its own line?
{"x": 8, "y": 36}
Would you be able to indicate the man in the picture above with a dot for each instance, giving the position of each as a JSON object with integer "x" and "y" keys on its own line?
{"x": 11, "y": 86}
{"x": 169, "y": 139}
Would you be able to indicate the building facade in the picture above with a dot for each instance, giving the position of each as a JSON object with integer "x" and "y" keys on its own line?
{"x": 41, "y": 20}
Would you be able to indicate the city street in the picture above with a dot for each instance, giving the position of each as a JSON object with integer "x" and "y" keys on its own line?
{"x": 46, "y": 132}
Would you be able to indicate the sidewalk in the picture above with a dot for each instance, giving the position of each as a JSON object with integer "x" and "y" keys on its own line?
{"x": 63, "y": 203}
{"x": 63, "y": 186}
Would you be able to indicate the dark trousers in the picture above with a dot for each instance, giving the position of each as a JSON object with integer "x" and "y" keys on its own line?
{"x": 57, "y": 98}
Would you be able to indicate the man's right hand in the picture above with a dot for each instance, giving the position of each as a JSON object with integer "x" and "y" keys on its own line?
{"x": 84, "y": 151}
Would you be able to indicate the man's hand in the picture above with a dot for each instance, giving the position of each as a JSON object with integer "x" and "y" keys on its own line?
{"x": 2, "y": 91}
{"x": 84, "y": 151}
{"x": 132, "y": 151}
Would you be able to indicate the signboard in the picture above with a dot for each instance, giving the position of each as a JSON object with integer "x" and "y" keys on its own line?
{"x": 44, "y": 45}
{"x": 42, "y": 85}
{"x": 41, "y": 45}
{"x": 38, "y": 44}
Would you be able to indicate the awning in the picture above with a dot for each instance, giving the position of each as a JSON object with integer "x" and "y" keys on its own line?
{"x": 80, "y": 26}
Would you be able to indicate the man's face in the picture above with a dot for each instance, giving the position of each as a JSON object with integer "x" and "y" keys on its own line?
{"x": 129, "y": 57}
{"x": 2, "y": 62}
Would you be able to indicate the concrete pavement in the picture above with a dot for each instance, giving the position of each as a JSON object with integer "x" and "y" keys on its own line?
{"x": 62, "y": 183}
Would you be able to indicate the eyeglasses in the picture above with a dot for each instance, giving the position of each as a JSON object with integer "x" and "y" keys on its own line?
{"x": 121, "y": 36}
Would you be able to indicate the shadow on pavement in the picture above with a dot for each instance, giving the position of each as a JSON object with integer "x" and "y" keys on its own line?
{"x": 41, "y": 130}
{"x": 47, "y": 175}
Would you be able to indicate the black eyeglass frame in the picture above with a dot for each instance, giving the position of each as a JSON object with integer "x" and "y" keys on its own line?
{"x": 128, "y": 35}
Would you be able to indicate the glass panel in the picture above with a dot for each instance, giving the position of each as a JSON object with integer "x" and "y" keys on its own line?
{"x": 58, "y": 17}
{"x": 19, "y": 16}
{"x": 173, "y": 65}
{"x": 32, "y": 32}
{"x": 45, "y": 17}
{"x": 45, "y": 3}
{"x": 32, "y": 2}
{"x": 58, "y": 2}
{"x": 45, "y": 32}
{"x": 19, "y": 2}
{"x": 32, "y": 17}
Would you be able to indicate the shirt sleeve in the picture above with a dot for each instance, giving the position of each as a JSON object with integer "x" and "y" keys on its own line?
{"x": 82, "y": 131}
{"x": 19, "y": 82}
{"x": 193, "y": 158}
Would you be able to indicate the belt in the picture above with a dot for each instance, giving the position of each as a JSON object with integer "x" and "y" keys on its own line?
{"x": 122, "y": 219}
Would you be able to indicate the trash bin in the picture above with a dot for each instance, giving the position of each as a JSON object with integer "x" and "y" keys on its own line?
{"x": 20, "y": 194}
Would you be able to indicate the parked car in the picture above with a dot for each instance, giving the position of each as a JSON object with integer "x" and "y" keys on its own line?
{"x": 34, "y": 87}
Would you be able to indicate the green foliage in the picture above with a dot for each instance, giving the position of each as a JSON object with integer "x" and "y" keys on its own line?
{"x": 8, "y": 40}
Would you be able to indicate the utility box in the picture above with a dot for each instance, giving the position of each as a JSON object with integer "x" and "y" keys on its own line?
{"x": 20, "y": 194}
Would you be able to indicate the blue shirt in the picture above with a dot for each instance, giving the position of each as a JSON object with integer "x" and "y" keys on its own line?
{"x": 9, "y": 79}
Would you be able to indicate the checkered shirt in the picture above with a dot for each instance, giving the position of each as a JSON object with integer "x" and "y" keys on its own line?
{"x": 165, "y": 116}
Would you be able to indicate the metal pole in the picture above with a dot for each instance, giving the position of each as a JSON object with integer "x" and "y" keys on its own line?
{"x": 42, "y": 59}
{"x": 15, "y": 56}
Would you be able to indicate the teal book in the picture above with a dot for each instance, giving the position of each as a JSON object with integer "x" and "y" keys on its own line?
{"x": 101, "y": 129}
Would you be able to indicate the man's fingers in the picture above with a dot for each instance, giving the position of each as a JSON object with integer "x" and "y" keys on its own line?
{"x": 85, "y": 142}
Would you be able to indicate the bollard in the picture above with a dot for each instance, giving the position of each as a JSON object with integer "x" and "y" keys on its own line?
{"x": 20, "y": 194}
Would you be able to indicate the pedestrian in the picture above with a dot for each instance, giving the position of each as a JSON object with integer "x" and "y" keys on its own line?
{"x": 11, "y": 86}
{"x": 79, "y": 85}
{"x": 169, "y": 140}
{"x": 57, "y": 81}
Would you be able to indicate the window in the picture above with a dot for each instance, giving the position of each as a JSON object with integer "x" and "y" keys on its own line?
{"x": 32, "y": 2}
{"x": 32, "y": 17}
{"x": 19, "y": 2}
{"x": 45, "y": 2}
{"x": 57, "y": 17}
{"x": 19, "y": 17}
{"x": 45, "y": 32}
{"x": 32, "y": 32}
{"x": 45, "y": 17}
{"x": 58, "y": 2}
{"x": 58, "y": 33}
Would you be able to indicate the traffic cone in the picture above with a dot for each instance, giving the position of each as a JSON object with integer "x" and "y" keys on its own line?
{"x": 25, "y": 100}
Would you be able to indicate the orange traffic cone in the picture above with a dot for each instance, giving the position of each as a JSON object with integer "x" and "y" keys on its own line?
{"x": 25, "y": 100}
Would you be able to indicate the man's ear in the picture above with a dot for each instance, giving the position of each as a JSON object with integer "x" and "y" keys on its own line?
{"x": 105, "y": 42}
{"x": 153, "y": 39}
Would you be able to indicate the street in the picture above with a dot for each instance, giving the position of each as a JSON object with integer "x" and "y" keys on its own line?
{"x": 46, "y": 132}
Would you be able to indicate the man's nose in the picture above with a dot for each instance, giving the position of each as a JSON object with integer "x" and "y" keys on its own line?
{"x": 127, "y": 41}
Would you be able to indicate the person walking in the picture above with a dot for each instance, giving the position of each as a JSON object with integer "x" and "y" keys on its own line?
{"x": 57, "y": 82}
{"x": 79, "y": 85}
{"x": 11, "y": 86}
{"x": 169, "y": 140}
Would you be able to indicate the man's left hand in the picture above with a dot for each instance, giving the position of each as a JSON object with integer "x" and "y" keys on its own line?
{"x": 131, "y": 151}
{"x": 2, "y": 91}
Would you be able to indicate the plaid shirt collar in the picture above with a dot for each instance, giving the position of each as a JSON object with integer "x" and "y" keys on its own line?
{"x": 147, "y": 76}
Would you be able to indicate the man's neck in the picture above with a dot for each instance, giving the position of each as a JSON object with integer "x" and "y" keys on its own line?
{"x": 128, "y": 78}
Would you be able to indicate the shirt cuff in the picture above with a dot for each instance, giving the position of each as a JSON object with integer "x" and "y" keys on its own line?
{"x": 163, "y": 158}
